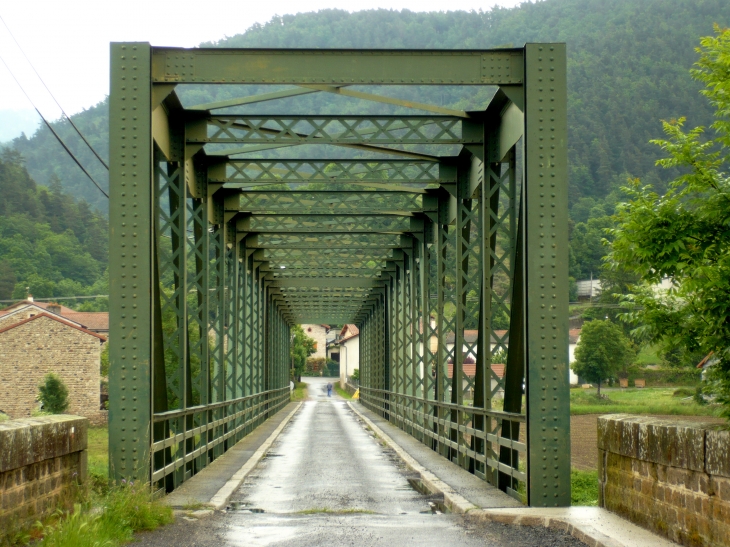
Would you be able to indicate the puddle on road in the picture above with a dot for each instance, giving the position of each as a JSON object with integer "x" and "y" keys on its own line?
{"x": 242, "y": 507}
{"x": 435, "y": 501}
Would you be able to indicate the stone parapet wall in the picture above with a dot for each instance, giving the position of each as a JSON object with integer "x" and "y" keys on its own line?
{"x": 42, "y": 460}
{"x": 669, "y": 476}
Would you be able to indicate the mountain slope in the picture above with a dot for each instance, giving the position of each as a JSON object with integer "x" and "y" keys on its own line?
{"x": 628, "y": 69}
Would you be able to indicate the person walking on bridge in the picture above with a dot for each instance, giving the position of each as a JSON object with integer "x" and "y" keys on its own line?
{"x": 329, "y": 389}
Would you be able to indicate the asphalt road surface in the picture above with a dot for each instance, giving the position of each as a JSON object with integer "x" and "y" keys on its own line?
{"x": 328, "y": 481}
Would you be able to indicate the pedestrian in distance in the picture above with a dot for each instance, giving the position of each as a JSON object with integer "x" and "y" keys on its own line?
{"x": 329, "y": 389}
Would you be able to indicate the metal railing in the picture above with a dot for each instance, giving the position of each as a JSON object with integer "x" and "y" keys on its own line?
{"x": 484, "y": 442}
{"x": 188, "y": 440}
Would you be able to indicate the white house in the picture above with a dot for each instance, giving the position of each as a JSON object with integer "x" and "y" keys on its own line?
{"x": 501, "y": 337}
{"x": 349, "y": 344}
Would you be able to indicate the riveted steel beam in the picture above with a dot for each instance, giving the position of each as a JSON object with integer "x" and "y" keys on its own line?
{"x": 337, "y": 67}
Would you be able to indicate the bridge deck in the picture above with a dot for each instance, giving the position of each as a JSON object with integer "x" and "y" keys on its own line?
{"x": 328, "y": 480}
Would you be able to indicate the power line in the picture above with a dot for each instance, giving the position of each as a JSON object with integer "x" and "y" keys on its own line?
{"x": 53, "y": 97}
{"x": 48, "y": 125}
{"x": 53, "y": 299}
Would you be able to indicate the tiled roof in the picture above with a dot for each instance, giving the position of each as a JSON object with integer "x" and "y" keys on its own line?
{"x": 348, "y": 331}
{"x": 90, "y": 320}
{"x": 41, "y": 305}
{"x": 470, "y": 370}
{"x": 54, "y": 317}
{"x": 93, "y": 320}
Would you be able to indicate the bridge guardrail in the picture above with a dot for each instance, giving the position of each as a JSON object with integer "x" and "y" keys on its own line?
{"x": 485, "y": 442}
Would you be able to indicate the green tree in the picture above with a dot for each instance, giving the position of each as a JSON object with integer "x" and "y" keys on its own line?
{"x": 302, "y": 346}
{"x": 53, "y": 394}
{"x": 684, "y": 234}
{"x": 602, "y": 352}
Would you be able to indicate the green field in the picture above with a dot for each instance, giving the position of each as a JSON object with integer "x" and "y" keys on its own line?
{"x": 99, "y": 452}
{"x": 647, "y": 401}
{"x": 300, "y": 392}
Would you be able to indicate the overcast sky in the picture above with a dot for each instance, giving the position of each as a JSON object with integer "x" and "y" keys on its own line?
{"x": 68, "y": 40}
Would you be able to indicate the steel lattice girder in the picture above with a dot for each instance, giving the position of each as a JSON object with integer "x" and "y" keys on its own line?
{"x": 328, "y": 171}
{"x": 323, "y": 202}
{"x": 335, "y": 130}
{"x": 404, "y": 248}
{"x": 324, "y": 241}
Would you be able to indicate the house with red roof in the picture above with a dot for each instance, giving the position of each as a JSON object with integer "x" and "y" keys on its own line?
{"x": 97, "y": 322}
{"x": 34, "y": 342}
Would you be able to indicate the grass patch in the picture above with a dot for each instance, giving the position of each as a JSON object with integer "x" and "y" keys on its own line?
{"x": 647, "y": 401}
{"x": 342, "y": 392}
{"x": 327, "y": 510}
{"x": 103, "y": 520}
{"x": 300, "y": 392}
{"x": 103, "y": 516}
{"x": 192, "y": 505}
{"x": 583, "y": 487}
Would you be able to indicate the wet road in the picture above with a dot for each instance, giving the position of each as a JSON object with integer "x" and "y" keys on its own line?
{"x": 328, "y": 481}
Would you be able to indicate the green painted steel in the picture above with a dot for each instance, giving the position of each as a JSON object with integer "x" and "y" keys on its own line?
{"x": 442, "y": 237}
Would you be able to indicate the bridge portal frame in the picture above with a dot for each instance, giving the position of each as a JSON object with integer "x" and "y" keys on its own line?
{"x": 225, "y": 311}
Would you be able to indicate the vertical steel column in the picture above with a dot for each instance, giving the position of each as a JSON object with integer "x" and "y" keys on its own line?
{"x": 545, "y": 240}
{"x": 444, "y": 326}
{"x": 131, "y": 265}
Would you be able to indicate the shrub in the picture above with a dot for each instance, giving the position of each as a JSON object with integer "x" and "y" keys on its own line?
{"x": 315, "y": 364}
{"x": 124, "y": 509}
{"x": 53, "y": 394}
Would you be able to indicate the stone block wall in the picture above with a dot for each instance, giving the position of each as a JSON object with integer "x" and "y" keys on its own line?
{"x": 31, "y": 350}
{"x": 42, "y": 460}
{"x": 672, "y": 477}
{"x": 319, "y": 334}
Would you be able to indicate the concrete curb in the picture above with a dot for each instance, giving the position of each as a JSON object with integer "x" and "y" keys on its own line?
{"x": 220, "y": 499}
{"x": 585, "y": 533}
{"x": 455, "y": 502}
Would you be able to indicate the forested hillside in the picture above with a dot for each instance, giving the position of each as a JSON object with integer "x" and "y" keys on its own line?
{"x": 628, "y": 69}
{"x": 48, "y": 241}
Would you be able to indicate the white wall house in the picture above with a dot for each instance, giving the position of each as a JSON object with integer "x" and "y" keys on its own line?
{"x": 349, "y": 352}
{"x": 500, "y": 338}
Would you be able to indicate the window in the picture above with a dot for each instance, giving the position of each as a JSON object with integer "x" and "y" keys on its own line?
{"x": 315, "y": 346}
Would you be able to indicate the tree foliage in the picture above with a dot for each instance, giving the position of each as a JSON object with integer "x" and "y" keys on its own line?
{"x": 53, "y": 394}
{"x": 603, "y": 351}
{"x": 627, "y": 68}
{"x": 48, "y": 242}
{"x": 684, "y": 233}
{"x": 302, "y": 346}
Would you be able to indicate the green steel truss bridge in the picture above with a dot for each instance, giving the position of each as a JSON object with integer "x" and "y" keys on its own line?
{"x": 440, "y": 233}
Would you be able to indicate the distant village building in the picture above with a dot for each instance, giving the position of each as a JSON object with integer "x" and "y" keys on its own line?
{"x": 37, "y": 338}
{"x": 45, "y": 342}
{"x": 588, "y": 289}
{"x": 349, "y": 352}
{"x": 97, "y": 322}
{"x": 319, "y": 334}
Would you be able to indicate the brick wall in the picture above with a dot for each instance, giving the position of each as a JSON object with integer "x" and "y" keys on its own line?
{"x": 31, "y": 350}
{"x": 670, "y": 477}
{"x": 41, "y": 462}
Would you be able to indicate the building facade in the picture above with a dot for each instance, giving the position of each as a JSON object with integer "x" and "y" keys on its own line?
{"x": 319, "y": 334}
{"x": 44, "y": 342}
